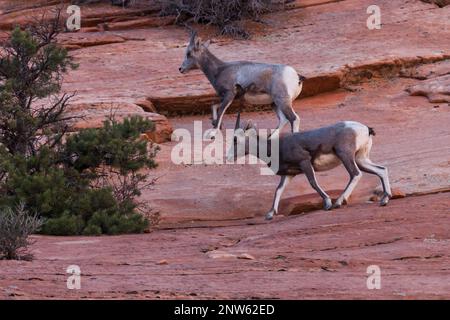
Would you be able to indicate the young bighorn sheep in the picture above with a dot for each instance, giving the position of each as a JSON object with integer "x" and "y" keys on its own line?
{"x": 256, "y": 83}
{"x": 321, "y": 149}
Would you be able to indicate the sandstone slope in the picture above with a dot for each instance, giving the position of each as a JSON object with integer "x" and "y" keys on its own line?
{"x": 211, "y": 231}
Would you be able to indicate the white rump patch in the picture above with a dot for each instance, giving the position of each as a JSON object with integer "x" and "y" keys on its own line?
{"x": 290, "y": 78}
{"x": 361, "y": 131}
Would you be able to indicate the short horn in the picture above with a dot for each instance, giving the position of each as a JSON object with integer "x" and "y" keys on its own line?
{"x": 192, "y": 32}
{"x": 238, "y": 121}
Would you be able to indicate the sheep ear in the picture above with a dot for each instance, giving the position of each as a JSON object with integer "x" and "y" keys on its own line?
{"x": 192, "y": 34}
{"x": 206, "y": 43}
{"x": 197, "y": 43}
{"x": 251, "y": 132}
{"x": 250, "y": 125}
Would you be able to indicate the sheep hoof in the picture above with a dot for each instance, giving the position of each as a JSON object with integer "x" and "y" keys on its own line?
{"x": 337, "y": 204}
{"x": 211, "y": 134}
{"x": 384, "y": 201}
{"x": 269, "y": 216}
{"x": 327, "y": 204}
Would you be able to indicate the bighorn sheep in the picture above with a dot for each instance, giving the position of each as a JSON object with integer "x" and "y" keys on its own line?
{"x": 321, "y": 149}
{"x": 257, "y": 83}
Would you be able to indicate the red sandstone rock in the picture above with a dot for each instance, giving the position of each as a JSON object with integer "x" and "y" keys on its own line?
{"x": 429, "y": 70}
{"x": 437, "y": 89}
{"x": 305, "y": 203}
{"x": 201, "y": 195}
{"x": 23, "y": 12}
{"x": 146, "y": 105}
{"x": 139, "y": 23}
{"x": 79, "y": 41}
{"x": 396, "y": 194}
{"x": 439, "y": 3}
{"x": 216, "y": 254}
{"x": 319, "y": 255}
{"x": 188, "y": 195}
{"x": 149, "y": 68}
{"x": 246, "y": 256}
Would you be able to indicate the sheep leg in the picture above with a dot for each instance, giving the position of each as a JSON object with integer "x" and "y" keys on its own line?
{"x": 348, "y": 159}
{"x": 308, "y": 170}
{"x": 226, "y": 102}
{"x": 368, "y": 166}
{"x": 283, "y": 183}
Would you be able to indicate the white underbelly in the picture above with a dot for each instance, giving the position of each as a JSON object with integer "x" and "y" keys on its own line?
{"x": 326, "y": 162}
{"x": 258, "y": 98}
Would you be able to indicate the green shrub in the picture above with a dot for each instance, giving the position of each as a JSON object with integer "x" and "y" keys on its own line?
{"x": 116, "y": 223}
{"x": 64, "y": 225}
{"x": 15, "y": 226}
{"x": 71, "y": 194}
{"x": 82, "y": 183}
{"x": 92, "y": 230}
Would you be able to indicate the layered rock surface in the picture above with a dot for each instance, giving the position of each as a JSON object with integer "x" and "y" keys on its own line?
{"x": 411, "y": 140}
{"x": 321, "y": 255}
{"x": 211, "y": 228}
